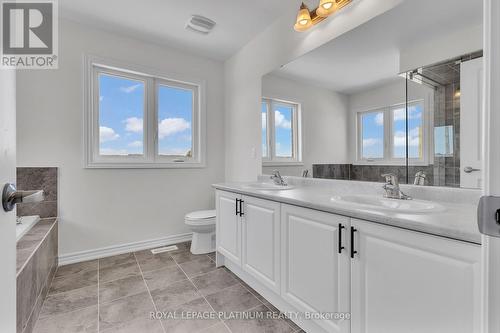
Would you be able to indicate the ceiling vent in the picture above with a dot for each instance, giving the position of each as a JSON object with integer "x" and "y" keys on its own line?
{"x": 200, "y": 24}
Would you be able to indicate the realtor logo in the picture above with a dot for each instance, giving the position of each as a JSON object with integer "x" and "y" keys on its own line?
{"x": 29, "y": 34}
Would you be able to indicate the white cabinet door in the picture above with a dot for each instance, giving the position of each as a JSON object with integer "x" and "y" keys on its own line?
{"x": 261, "y": 241}
{"x": 315, "y": 276}
{"x": 228, "y": 226}
{"x": 405, "y": 281}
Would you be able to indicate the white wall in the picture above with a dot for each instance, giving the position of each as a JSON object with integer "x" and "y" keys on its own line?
{"x": 324, "y": 116}
{"x": 385, "y": 95}
{"x": 100, "y": 208}
{"x": 441, "y": 47}
{"x": 277, "y": 45}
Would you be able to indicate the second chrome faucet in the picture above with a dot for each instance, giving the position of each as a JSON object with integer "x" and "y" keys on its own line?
{"x": 391, "y": 187}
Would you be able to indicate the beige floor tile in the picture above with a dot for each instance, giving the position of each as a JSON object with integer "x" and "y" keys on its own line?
{"x": 109, "y": 291}
{"x": 125, "y": 309}
{"x": 69, "y": 301}
{"x": 120, "y": 259}
{"x": 176, "y": 294}
{"x": 79, "y": 321}
{"x": 235, "y": 298}
{"x": 141, "y": 325}
{"x": 119, "y": 272}
{"x": 184, "y": 321}
{"x": 213, "y": 281}
{"x": 257, "y": 324}
{"x": 198, "y": 266}
{"x": 73, "y": 281}
{"x": 162, "y": 278}
{"x": 76, "y": 268}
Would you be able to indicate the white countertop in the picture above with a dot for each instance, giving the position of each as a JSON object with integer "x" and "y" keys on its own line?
{"x": 458, "y": 221}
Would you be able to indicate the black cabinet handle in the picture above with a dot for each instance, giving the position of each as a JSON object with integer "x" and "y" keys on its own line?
{"x": 340, "y": 237}
{"x": 236, "y": 206}
{"x": 241, "y": 208}
{"x": 353, "y": 252}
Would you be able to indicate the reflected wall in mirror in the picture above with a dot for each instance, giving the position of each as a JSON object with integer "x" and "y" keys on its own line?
{"x": 405, "y": 100}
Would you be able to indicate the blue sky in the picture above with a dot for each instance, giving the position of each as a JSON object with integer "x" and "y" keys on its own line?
{"x": 283, "y": 129}
{"x": 121, "y": 114}
{"x": 373, "y": 132}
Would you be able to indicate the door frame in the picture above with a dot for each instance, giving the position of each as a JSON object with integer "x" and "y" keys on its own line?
{"x": 491, "y": 171}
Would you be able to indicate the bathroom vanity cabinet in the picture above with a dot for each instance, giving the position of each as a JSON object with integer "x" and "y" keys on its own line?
{"x": 384, "y": 278}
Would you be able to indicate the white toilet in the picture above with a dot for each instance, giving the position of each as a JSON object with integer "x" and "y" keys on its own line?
{"x": 202, "y": 224}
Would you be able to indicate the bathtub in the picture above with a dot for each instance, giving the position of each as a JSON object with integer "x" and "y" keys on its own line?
{"x": 24, "y": 224}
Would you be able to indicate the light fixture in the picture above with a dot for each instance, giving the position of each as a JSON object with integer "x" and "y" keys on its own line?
{"x": 304, "y": 20}
{"x": 326, "y": 7}
{"x": 307, "y": 18}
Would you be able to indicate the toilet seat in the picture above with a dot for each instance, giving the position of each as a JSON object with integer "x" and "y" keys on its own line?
{"x": 202, "y": 217}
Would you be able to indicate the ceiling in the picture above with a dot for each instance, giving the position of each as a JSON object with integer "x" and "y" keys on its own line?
{"x": 163, "y": 21}
{"x": 369, "y": 54}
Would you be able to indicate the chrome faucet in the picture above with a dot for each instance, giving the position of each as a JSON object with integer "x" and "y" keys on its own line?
{"x": 391, "y": 187}
{"x": 419, "y": 178}
{"x": 277, "y": 179}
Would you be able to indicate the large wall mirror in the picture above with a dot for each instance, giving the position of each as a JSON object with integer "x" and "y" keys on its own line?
{"x": 405, "y": 100}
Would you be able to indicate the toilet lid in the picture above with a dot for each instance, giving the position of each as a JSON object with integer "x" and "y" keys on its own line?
{"x": 201, "y": 215}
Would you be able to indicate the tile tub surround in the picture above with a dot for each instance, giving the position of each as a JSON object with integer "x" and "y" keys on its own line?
{"x": 458, "y": 221}
{"x": 36, "y": 265}
{"x": 34, "y": 178}
{"x": 372, "y": 173}
{"x": 118, "y": 294}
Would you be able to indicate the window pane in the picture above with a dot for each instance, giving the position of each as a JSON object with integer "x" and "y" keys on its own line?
{"x": 175, "y": 118}
{"x": 443, "y": 141}
{"x": 121, "y": 114}
{"x": 283, "y": 114}
{"x": 372, "y": 125}
{"x": 415, "y": 137}
{"x": 264, "y": 129}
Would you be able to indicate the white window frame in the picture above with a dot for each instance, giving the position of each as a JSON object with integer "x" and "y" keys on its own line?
{"x": 271, "y": 159}
{"x": 388, "y": 158}
{"x": 153, "y": 79}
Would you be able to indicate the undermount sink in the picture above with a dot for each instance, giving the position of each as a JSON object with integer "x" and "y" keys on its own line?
{"x": 394, "y": 205}
{"x": 267, "y": 186}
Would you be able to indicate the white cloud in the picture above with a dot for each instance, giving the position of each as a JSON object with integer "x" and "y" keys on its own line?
{"x": 413, "y": 138}
{"x": 111, "y": 151}
{"x": 379, "y": 119}
{"x": 281, "y": 121}
{"x": 174, "y": 151}
{"x": 413, "y": 113}
{"x": 135, "y": 144}
{"x": 370, "y": 142}
{"x": 107, "y": 134}
{"x": 171, "y": 126}
{"x": 131, "y": 88}
{"x": 134, "y": 124}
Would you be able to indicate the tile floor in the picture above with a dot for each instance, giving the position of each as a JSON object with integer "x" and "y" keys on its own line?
{"x": 119, "y": 293}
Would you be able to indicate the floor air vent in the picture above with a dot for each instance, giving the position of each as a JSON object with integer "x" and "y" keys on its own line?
{"x": 164, "y": 249}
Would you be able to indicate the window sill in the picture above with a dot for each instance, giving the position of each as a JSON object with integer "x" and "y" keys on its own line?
{"x": 180, "y": 165}
{"x": 391, "y": 163}
{"x": 275, "y": 163}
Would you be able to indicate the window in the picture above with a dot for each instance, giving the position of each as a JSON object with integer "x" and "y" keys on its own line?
{"x": 382, "y": 135}
{"x": 280, "y": 132}
{"x": 135, "y": 119}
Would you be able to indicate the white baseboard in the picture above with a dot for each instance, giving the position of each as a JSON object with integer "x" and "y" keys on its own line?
{"x": 75, "y": 257}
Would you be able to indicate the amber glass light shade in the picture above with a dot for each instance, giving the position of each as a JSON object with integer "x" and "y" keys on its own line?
{"x": 326, "y": 7}
{"x": 304, "y": 21}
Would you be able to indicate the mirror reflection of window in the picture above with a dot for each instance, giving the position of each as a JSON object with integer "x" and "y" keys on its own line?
{"x": 372, "y": 124}
{"x": 283, "y": 114}
{"x": 415, "y": 131}
{"x": 443, "y": 141}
